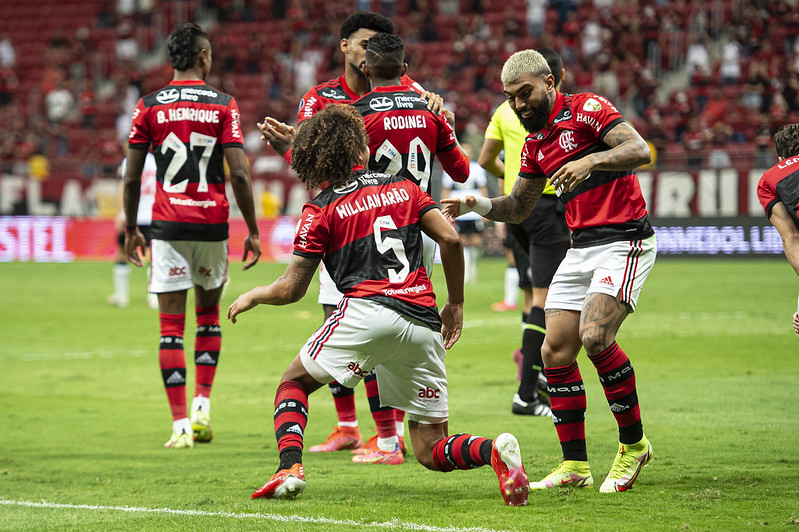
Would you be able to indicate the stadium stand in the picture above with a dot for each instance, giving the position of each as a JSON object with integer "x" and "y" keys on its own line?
{"x": 696, "y": 78}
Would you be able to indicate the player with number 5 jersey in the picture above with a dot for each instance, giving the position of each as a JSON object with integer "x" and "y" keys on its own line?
{"x": 193, "y": 129}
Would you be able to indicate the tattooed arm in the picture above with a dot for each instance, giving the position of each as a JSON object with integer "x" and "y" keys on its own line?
{"x": 627, "y": 152}
{"x": 289, "y": 288}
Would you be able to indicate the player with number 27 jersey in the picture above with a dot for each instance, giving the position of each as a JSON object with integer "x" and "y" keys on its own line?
{"x": 405, "y": 137}
{"x": 188, "y": 123}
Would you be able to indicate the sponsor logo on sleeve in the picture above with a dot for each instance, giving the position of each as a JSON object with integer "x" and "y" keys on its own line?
{"x": 592, "y": 106}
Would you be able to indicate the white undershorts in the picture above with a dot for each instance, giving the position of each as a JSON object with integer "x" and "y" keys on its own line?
{"x": 616, "y": 269}
{"x": 329, "y": 294}
{"x": 408, "y": 357}
{"x": 180, "y": 264}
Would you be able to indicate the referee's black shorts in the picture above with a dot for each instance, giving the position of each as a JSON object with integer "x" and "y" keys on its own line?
{"x": 545, "y": 237}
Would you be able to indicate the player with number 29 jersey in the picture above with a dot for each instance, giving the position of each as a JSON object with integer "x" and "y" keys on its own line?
{"x": 188, "y": 123}
{"x": 405, "y": 137}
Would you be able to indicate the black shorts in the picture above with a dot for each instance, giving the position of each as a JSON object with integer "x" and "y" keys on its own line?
{"x": 470, "y": 227}
{"x": 145, "y": 230}
{"x": 545, "y": 237}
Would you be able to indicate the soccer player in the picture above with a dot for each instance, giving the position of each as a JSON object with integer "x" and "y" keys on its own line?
{"x": 355, "y": 32}
{"x": 367, "y": 227}
{"x": 778, "y": 192}
{"x": 589, "y": 154}
{"x": 193, "y": 129}
{"x": 542, "y": 241}
{"x": 404, "y": 139}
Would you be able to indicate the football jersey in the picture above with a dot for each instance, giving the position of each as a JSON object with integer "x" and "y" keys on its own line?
{"x": 608, "y": 205}
{"x": 404, "y": 136}
{"x": 368, "y": 233}
{"x": 188, "y": 124}
{"x": 781, "y": 183}
{"x": 336, "y": 91}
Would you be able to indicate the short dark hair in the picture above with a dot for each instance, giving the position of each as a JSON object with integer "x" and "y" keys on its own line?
{"x": 786, "y": 141}
{"x": 184, "y": 45}
{"x": 385, "y": 55}
{"x": 327, "y": 146}
{"x": 554, "y": 61}
{"x": 367, "y": 20}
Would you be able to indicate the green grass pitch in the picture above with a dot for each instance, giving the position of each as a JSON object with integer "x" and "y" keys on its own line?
{"x": 83, "y": 414}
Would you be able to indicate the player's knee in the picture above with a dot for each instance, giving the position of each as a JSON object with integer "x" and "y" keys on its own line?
{"x": 595, "y": 340}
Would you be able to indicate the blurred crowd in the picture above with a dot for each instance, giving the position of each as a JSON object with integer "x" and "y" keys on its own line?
{"x": 706, "y": 82}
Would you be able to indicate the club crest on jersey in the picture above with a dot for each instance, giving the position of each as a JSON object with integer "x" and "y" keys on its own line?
{"x": 592, "y": 105}
{"x": 382, "y": 103}
{"x": 346, "y": 189}
{"x": 566, "y": 141}
{"x": 168, "y": 96}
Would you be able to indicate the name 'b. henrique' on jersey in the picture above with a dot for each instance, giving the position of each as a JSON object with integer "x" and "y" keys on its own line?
{"x": 608, "y": 206}
{"x": 188, "y": 124}
{"x": 369, "y": 219}
{"x": 405, "y": 136}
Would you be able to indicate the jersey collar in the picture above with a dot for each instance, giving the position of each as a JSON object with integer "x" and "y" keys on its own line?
{"x": 555, "y": 109}
{"x": 187, "y": 82}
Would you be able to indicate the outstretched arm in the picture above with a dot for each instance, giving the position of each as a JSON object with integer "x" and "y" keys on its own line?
{"x": 513, "y": 208}
{"x": 628, "y": 150}
{"x": 289, "y": 288}
{"x": 489, "y": 157}
{"x": 278, "y": 135}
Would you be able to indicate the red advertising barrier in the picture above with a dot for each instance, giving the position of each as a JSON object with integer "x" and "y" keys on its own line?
{"x": 64, "y": 239}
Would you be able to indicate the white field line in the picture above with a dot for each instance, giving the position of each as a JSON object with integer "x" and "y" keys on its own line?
{"x": 393, "y": 524}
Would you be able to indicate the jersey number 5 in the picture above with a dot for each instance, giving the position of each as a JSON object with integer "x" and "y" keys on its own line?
{"x": 176, "y": 165}
{"x": 388, "y": 243}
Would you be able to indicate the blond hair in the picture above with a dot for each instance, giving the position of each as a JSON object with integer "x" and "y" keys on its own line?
{"x": 524, "y": 62}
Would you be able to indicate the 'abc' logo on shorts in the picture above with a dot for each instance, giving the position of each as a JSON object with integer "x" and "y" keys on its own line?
{"x": 177, "y": 270}
{"x": 429, "y": 393}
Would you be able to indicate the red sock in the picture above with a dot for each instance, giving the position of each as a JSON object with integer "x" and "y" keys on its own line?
{"x": 461, "y": 451}
{"x": 567, "y": 398}
{"x": 291, "y": 415}
{"x": 383, "y": 416}
{"x": 172, "y": 360}
{"x": 618, "y": 379}
{"x": 207, "y": 345}
{"x": 399, "y": 415}
{"x": 344, "y": 399}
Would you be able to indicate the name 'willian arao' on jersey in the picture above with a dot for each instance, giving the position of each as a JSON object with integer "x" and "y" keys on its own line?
{"x": 371, "y": 242}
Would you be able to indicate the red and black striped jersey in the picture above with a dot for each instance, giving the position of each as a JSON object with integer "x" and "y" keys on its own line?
{"x": 405, "y": 137}
{"x": 336, "y": 91}
{"x": 368, "y": 233}
{"x": 781, "y": 183}
{"x": 608, "y": 206}
{"x": 188, "y": 124}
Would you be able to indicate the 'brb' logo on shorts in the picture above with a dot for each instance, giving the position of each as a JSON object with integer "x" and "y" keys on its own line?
{"x": 429, "y": 393}
{"x": 566, "y": 141}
